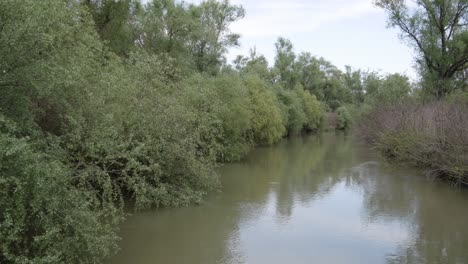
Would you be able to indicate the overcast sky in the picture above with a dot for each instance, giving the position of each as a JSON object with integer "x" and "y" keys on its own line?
{"x": 345, "y": 32}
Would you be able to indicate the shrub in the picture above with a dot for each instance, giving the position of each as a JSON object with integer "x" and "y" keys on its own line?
{"x": 150, "y": 147}
{"x": 293, "y": 110}
{"x": 43, "y": 217}
{"x": 225, "y": 101}
{"x": 94, "y": 132}
{"x": 343, "y": 118}
{"x": 266, "y": 121}
{"x": 313, "y": 111}
{"x": 431, "y": 135}
{"x": 458, "y": 96}
{"x": 235, "y": 116}
{"x": 395, "y": 87}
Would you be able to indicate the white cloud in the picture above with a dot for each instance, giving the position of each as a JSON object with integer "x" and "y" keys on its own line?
{"x": 345, "y": 32}
{"x": 279, "y": 17}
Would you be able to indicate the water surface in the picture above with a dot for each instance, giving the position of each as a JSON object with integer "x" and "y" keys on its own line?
{"x": 317, "y": 199}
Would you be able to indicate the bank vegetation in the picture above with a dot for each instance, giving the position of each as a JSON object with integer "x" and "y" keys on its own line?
{"x": 113, "y": 104}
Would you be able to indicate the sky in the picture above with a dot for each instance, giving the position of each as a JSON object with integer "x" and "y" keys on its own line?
{"x": 344, "y": 32}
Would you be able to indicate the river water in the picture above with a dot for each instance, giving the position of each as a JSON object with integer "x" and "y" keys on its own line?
{"x": 316, "y": 199}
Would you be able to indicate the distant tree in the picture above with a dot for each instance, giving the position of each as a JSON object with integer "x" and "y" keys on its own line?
{"x": 394, "y": 88}
{"x": 372, "y": 83}
{"x": 253, "y": 64}
{"x": 322, "y": 79}
{"x": 212, "y": 38}
{"x": 312, "y": 74}
{"x": 438, "y": 31}
{"x": 352, "y": 80}
{"x": 284, "y": 63}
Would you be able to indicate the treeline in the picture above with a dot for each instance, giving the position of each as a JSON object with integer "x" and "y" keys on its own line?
{"x": 429, "y": 127}
{"x": 109, "y": 103}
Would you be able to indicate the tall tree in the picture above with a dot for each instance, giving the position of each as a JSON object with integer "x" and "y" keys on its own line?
{"x": 438, "y": 31}
{"x": 213, "y": 37}
{"x": 166, "y": 27}
{"x": 322, "y": 79}
{"x": 255, "y": 64}
{"x": 352, "y": 80}
{"x": 285, "y": 63}
{"x": 112, "y": 21}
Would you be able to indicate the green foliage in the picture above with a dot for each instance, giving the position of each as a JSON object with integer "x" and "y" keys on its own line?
{"x": 389, "y": 89}
{"x": 313, "y": 111}
{"x": 116, "y": 103}
{"x": 44, "y": 218}
{"x": 458, "y": 97}
{"x": 48, "y": 57}
{"x": 353, "y": 81}
{"x": 357, "y": 112}
{"x": 166, "y": 28}
{"x": 323, "y": 80}
{"x": 213, "y": 37}
{"x": 343, "y": 118}
{"x": 111, "y": 21}
{"x": 225, "y": 101}
{"x": 196, "y": 36}
{"x": 372, "y": 83}
{"x": 437, "y": 29}
{"x": 284, "y": 63}
{"x": 267, "y": 122}
{"x": 293, "y": 110}
{"x": 141, "y": 139}
{"x": 395, "y": 87}
{"x": 253, "y": 65}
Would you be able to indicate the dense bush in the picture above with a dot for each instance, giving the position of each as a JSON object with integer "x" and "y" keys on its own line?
{"x": 293, "y": 110}
{"x": 458, "y": 96}
{"x": 313, "y": 111}
{"x": 43, "y": 217}
{"x": 343, "y": 118}
{"x": 115, "y": 103}
{"x": 118, "y": 135}
{"x": 223, "y": 99}
{"x": 49, "y": 57}
{"x": 267, "y": 124}
{"x": 389, "y": 89}
{"x": 431, "y": 135}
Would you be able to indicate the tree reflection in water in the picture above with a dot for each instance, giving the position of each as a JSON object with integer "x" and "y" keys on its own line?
{"x": 321, "y": 199}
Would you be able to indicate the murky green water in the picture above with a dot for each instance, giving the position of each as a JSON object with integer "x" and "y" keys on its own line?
{"x": 319, "y": 199}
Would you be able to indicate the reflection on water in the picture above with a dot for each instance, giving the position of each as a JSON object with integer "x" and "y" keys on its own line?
{"x": 318, "y": 199}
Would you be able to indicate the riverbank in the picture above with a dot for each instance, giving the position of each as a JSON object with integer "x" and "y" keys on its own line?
{"x": 433, "y": 136}
{"x": 301, "y": 201}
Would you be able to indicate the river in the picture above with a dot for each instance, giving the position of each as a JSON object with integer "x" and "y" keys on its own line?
{"x": 315, "y": 199}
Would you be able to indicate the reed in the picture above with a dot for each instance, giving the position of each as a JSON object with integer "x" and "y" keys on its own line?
{"x": 433, "y": 136}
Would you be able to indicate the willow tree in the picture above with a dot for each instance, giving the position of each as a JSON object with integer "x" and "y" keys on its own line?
{"x": 285, "y": 60}
{"x": 437, "y": 29}
{"x": 213, "y": 38}
{"x": 112, "y": 19}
